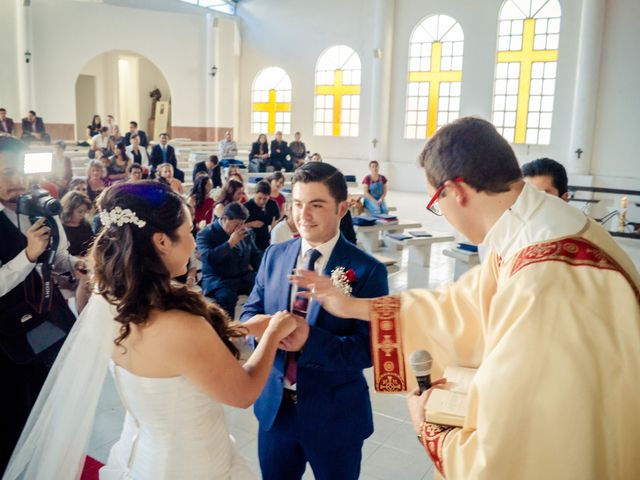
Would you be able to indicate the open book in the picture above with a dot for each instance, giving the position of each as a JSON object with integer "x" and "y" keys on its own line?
{"x": 448, "y": 406}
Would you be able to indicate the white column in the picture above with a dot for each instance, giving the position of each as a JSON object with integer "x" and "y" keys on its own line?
{"x": 383, "y": 16}
{"x": 24, "y": 70}
{"x": 586, "y": 86}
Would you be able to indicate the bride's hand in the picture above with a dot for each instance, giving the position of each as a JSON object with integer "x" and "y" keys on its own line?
{"x": 321, "y": 288}
{"x": 282, "y": 324}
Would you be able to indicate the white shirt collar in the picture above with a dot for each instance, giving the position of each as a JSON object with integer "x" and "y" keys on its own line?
{"x": 534, "y": 217}
{"x": 325, "y": 249}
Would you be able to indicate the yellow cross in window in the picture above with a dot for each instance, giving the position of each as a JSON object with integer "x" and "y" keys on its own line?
{"x": 526, "y": 56}
{"x": 337, "y": 90}
{"x": 435, "y": 76}
{"x": 272, "y": 107}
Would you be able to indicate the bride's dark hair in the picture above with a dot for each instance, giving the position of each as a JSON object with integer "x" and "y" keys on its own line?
{"x": 128, "y": 271}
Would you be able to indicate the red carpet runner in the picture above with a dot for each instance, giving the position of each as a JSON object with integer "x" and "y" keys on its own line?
{"x": 91, "y": 469}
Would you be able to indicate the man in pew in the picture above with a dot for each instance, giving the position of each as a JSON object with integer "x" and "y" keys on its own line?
{"x": 6, "y": 123}
{"x": 547, "y": 175}
{"x": 165, "y": 153}
{"x": 133, "y": 129}
{"x": 33, "y": 129}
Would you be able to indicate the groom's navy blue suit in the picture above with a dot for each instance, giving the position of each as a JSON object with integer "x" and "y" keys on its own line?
{"x": 332, "y": 416}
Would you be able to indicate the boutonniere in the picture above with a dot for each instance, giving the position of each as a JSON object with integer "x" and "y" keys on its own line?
{"x": 343, "y": 279}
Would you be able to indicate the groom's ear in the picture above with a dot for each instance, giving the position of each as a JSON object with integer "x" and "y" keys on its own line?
{"x": 342, "y": 208}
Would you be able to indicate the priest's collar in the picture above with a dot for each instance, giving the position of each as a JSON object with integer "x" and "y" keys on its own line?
{"x": 534, "y": 217}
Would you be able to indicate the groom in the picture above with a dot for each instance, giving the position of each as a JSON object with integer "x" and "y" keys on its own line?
{"x": 315, "y": 406}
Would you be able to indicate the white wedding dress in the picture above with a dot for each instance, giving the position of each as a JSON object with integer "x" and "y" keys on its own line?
{"x": 171, "y": 431}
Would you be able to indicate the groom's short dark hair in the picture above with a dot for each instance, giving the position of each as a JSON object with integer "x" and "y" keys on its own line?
{"x": 323, "y": 173}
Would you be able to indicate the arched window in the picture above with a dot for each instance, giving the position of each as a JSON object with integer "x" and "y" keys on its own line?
{"x": 337, "y": 105}
{"x": 271, "y": 102}
{"x": 526, "y": 70}
{"x": 435, "y": 75}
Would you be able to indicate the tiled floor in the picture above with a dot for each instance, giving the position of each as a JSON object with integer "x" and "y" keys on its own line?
{"x": 392, "y": 452}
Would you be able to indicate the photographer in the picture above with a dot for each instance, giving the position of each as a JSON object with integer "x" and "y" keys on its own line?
{"x": 34, "y": 317}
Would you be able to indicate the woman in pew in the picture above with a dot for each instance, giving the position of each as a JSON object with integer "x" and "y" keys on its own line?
{"x": 285, "y": 229}
{"x": 375, "y": 190}
{"x": 259, "y": 156}
{"x": 94, "y": 128}
{"x": 96, "y": 179}
{"x": 200, "y": 199}
{"x": 117, "y": 170}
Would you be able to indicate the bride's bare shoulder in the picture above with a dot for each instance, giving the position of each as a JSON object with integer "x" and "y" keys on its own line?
{"x": 177, "y": 321}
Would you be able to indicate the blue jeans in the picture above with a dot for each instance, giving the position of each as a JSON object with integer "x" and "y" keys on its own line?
{"x": 373, "y": 208}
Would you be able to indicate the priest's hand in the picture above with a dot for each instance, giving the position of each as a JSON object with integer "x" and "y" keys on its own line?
{"x": 321, "y": 288}
{"x": 417, "y": 403}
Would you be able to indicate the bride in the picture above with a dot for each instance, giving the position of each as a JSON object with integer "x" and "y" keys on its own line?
{"x": 170, "y": 354}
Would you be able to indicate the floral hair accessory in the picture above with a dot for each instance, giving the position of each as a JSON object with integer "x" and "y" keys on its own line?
{"x": 343, "y": 279}
{"x": 118, "y": 216}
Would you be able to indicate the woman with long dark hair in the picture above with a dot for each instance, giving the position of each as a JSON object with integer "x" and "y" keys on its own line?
{"x": 259, "y": 155}
{"x": 201, "y": 201}
{"x": 169, "y": 351}
{"x": 232, "y": 191}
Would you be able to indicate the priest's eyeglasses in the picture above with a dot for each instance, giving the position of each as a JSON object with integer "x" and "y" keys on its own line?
{"x": 433, "y": 206}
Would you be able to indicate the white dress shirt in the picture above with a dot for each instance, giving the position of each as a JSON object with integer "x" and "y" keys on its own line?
{"x": 14, "y": 272}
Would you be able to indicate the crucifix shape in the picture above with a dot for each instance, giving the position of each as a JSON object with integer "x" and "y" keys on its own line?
{"x": 337, "y": 90}
{"x": 271, "y": 107}
{"x": 579, "y": 152}
{"x": 526, "y": 56}
{"x": 435, "y": 76}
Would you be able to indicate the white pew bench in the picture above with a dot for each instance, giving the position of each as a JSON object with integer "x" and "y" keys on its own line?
{"x": 369, "y": 236}
{"x": 465, "y": 260}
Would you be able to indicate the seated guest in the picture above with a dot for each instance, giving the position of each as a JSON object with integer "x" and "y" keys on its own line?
{"x": 547, "y": 175}
{"x": 75, "y": 206}
{"x": 136, "y": 152}
{"x": 102, "y": 142}
{"x": 232, "y": 191}
{"x": 61, "y": 171}
{"x": 111, "y": 123}
{"x": 119, "y": 165}
{"x": 279, "y": 154}
{"x": 276, "y": 180}
{"x": 229, "y": 257}
{"x": 259, "y": 155}
{"x": 133, "y": 129}
{"x": 33, "y": 129}
{"x": 6, "y": 123}
{"x": 165, "y": 170}
{"x": 78, "y": 185}
{"x": 199, "y": 170}
{"x": 165, "y": 153}
{"x": 200, "y": 199}
{"x": 94, "y": 127}
{"x": 315, "y": 158}
{"x": 135, "y": 172}
{"x": 298, "y": 151}
{"x": 227, "y": 148}
{"x": 96, "y": 179}
{"x": 215, "y": 171}
{"x": 116, "y": 137}
{"x": 263, "y": 214}
{"x": 375, "y": 190}
{"x": 286, "y": 228}
{"x": 234, "y": 171}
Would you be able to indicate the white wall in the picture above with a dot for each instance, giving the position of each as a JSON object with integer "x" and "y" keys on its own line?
{"x": 617, "y": 138}
{"x": 68, "y": 34}
{"x": 8, "y": 57}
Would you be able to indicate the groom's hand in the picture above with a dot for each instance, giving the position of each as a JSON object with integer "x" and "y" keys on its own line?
{"x": 296, "y": 340}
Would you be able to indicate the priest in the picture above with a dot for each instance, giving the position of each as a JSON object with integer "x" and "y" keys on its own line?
{"x": 551, "y": 320}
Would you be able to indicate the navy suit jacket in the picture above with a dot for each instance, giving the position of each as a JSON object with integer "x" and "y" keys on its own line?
{"x": 333, "y": 396}
{"x": 156, "y": 159}
{"x": 144, "y": 141}
{"x": 9, "y": 123}
{"x": 30, "y": 128}
{"x": 221, "y": 262}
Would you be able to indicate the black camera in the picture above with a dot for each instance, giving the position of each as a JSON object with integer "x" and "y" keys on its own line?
{"x": 38, "y": 203}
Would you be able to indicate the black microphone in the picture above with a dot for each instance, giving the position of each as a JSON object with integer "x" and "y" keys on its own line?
{"x": 420, "y": 362}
